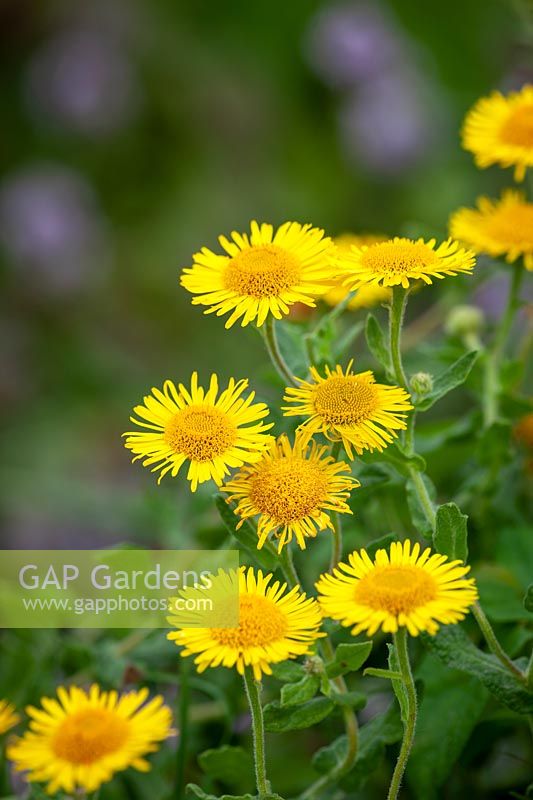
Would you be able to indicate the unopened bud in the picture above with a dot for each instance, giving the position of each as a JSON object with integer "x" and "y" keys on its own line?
{"x": 421, "y": 383}
{"x": 465, "y": 321}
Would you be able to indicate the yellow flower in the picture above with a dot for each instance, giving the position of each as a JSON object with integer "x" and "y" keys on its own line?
{"x": 498, "y": 228}
{"x": 291, "y": 488}
{"x": 80, "y": 740}
{"x": 193, "y": 425}
{"x": 8, "y": 716}
{"x": 274, "y": 625}
{"x": 367, "y": 296}
{"x": 349, "y": 407}
{"x": 499, "y": 130}
{"x": 400, "y": 261}
{"x": 263, "y": 272}
{"x": 398, "y": 589}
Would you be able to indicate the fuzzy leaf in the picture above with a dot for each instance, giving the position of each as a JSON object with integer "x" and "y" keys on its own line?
{"x": 230, "y": 765}
{"x": 348, "y": 658}
{"x": 289, "y": 671}
{"x": 293, "y": 694}
{"x": 377, "y": 341}
{"x": 450, "y": 537}
{"x": 451, "y": 378}
{"x": 295, "y": 718}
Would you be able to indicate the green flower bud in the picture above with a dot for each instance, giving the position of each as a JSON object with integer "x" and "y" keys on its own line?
{"x": 464, "y": 321}
{"x": 421, "y": 383}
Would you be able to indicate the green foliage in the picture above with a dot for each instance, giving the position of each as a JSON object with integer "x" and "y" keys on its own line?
{"x": 376, "y": 340}
{"x": 293, "y": 694}
{"x": 448, "y": 380}
{"x": 246, "y": 534}
{"x": 416, "y": 509}
{"x": 231, "y": 765}
{"x": 450, "y": 537}
{"x": 528, "y": 599}
{"x": 348, "y": 658}
{"x": 280, "y": 719}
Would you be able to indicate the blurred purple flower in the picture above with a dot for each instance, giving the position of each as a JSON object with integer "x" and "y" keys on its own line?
{"x": 351, "y": 42}
{"x": 386, "y": 127}
{"x": 82, "y": 80}
{"x": 51, "y": 228}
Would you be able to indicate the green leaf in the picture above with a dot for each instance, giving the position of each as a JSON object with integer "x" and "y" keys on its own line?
{"x": 289, "y": 671}
{"x": 341, "y": 343}
{"x": 418, "y": 515}
{"x": 348, "y": 658}
{"x": 450, "y": 537}
{"x": 451, "y": 706}
{"x": 453, "y": 647}
{"x": 377, "y": 341}
{"x": 295, "y": 718}
{"x": 245, "y": 535}
{"x": 386, "y": 674}
{"x": 501, "y": 594}
{"x": 355, "y": 700}
{"x": 450, "y": 379}
{"x": 291, "y": 343}
{"x": 293, "y": 694}
{"x": 398, "y": 685}
{"x": 231, "y": 765}
{"x": 528, "y": 599}
{"x": 383, "y": 543}
{"x": 394, "y": 455}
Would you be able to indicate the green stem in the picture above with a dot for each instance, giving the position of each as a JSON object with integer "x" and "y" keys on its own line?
{"x": 423, "y": 495}
{"x": 336, "y": 550}
{"x": 494, "y": 645}
{"x": 491, "y": 395}
{"x": 253, "y": 694}
{"x": 272, "y": 346}
{"x": 287, "y": 567}
{"x": 396, "y": 314}
{"x": 400, "y": 643}
{"x": 183, "y": 717}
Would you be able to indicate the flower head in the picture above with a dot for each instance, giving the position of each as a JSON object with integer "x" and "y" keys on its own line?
{"x": 8, "y": 716}
{"x": 400, "y": 588}
{"x": 81, "y": 739}
{"x": 367, "y": 296}
{"x": 274, "y": 625}
{"x": 291, "y": 489}
{"x": 498, "y": 228}
{"x": 349, "y": 407}
{"x": 499, "y": 130}
{"x": 263, "y": 272}
{"x": 212, "y": 433}
{"x": 400, "y": 261}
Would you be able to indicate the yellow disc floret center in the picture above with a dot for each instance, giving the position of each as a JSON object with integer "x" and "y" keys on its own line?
{"x": 345, "y": 400}
{"x": 397, "y": 590}
{"x": 200, "y": 432}
{"x": 260, "y": 623}
{"x": 518, "y": 128}
{"x": 288, "y": 489}
{"x": 399, "y": 257}
{"x": 86, "y": 736}
{"x": 513, "y": 224}
{"x": 264, "y": 271}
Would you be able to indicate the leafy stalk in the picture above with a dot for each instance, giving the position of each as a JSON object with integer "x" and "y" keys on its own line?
{"x": 400, "y": 642}
{"x": 252, "y": 688}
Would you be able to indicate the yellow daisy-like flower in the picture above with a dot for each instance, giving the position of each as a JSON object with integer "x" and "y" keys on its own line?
{"x": 291, "y": 488}
{"x": 367, "y": 296}
{"x": 349, "y": 407}
{"x": 400, "y": 588}
{"x": 8, "y": 716}
{"x": 264, "y": 272}
{"x": 499, "y": 130}
{"x": 274, "y": 625}
{"x": 213, "y": 434}
{"x": 81, "y": 739}
{"x": 498, "y": 228}
{"x": 400, "y": 261}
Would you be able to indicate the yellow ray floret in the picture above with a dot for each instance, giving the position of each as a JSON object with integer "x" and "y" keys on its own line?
{"x": 499, "y": 130}
{"x": 349, "y": 407}
{"x": 400, "y": 588}
{"x": 81, "y": 739}
{"x": 274, "y": 625}
{"x": 263, "y": 272}
{"x": 8, "y": 716}
{"x": 498, "y": 227}
{"x": 366, "y": 296}
{"x": 291, "y": 489}
{"x": 400, "y": 262}
{"x": 214, "y": 433}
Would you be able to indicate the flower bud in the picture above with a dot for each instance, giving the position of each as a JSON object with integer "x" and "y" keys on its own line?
{"x": 421, "y": 383}
{"x": 465, "y": 321}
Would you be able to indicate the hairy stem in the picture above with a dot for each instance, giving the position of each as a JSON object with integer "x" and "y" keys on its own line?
{"x": 396, "y": 314}
{"x": 400, "y": 642}
{"x": 183, "y": 717}
{"x": 258, "y": 729}
{"x": 272, "y": 346}
{"x": 493, "y": 643}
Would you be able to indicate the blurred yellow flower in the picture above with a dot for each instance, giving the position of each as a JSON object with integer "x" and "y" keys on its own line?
{"x": 264, "y": 272}
{"x": 499, "y": 130}
{"x": 400, "y": 261}
{"x": 213, "y": 434}
{"x": 8, "y": 716}
{"x": 291, "y": 489}
{"x": 497, "y": 228}
{"x": 400, "y": 588}
{"x": 367, "y": 296}
{"x": 349, "y": 407}
{"x": 81, "y": 739}
{"x": 274, "y": 625}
